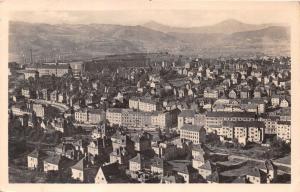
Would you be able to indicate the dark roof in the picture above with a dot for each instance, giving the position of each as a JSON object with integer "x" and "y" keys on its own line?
{"x": 214, "y": 177}
{"x": 158, "y": 162}
{"x": 138, "y": 158}
{"x": 230, "y": 114}
{"x": 240, "y": 179}
{"x": 244, "y": 124}
{"x": 187, "y": 169}
{"x": 54, "y": 159}
{"x": 189, "y": 127}
{"x": 37, "y": 154}
{"x": 207, "y": 165}
{"x": 79, "y": 165}
{"x": 110, "y": 171}
{"x": 256, "y": 172}
{"x": 187, "y": 113}
{"x": 284, "y": 122}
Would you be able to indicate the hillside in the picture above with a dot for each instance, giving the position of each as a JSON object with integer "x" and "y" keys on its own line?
{"x": 88, "y": 41}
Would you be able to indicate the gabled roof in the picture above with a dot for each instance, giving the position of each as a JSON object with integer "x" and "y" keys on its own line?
{"x": 214, "y": 177}
{"x": 37, "y": 154}
{"x": 187, "y": 169}
{"x": 80, "y": 165}
{"x": 138, "y": 158}
{"x": 54, "y": 159}
{"x": 207, "y": 165}
{"x": 256, "y": 172}
{"x": 110, "y": 171}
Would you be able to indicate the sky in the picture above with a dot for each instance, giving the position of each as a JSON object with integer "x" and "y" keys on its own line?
{"x": 186, "y": 16}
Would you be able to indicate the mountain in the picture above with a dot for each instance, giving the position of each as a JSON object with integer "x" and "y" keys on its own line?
{"x": 88, "y": 41}
{"x": 225, "y": 27}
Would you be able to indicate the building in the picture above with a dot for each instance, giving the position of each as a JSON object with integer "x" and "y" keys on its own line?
{"x": 142, "y": 142}
{"x": 56, "y": 69}
{"x": 210, "y": 93}
{"x": 206, "y": 169}
{"x": 60, "y": 124}
{"x": 188, "y": 173}
{"x": 78, "y": 170}
{"x": 41, "y": 110}
{"x": 283, "y": 130}
{"x": 91, "y": 116}
{"x": 137, "y": 163}
{"x": 30, "y": 74}
{"x": 166, "y": 151}
{"x": 136, "y": 119}
{"x": 109, "y": 173}
{"x": 114, "y": 116}
{"x": 144, "y": 104}
{"x": 256, "y": 176}
{"x": 215, "y": 119}
{"x": 186, "y": 117}
{"x": 252, "y": 131}
{"x": 35, "y": 159}
{"x": 193, "y": 133}
{"x": 53, "y": 163}
{"x": 28, "y": 93}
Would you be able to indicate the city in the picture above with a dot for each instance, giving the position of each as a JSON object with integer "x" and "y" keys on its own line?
{"x": 191, "y": 120}
{"x": 163, "y": 97}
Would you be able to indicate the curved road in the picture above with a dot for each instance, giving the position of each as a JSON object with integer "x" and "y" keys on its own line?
{"x": 59, "y": 106}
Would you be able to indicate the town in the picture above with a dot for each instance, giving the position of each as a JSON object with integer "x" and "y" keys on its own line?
{"x": 150, "y": 118}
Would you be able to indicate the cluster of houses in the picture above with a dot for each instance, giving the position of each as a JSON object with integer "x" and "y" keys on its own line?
{"x": 243, "y": 100}
{"x": 110, "y": 156}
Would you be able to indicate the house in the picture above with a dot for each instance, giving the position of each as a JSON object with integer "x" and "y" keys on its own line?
{"x": 103, "y": 131}
{"x": 252, "y": 131}
{"x": 232, "y": 94}
{"x": 210, "y": 93}
{"x": 188, "y": 173}
{"x": 284, "y": 103}
{"x": 164, "y": 150}
{"x": 193, "y": 133}
{"x": 186, "y": 117}
{"x": 215, "y": 177}
{"x": 160, "y": 166}
{"x": 257, "y": 93}
{"x": 120, "y": 155}
{"x": 109, "y": 173}
{"x": 283, "y": 130}
{"x": 206, "y": 169}
{"x": 271, "y": 171}
{"x": 256, "y": 176}
{"x": 139, "y": 162}
{"x": 78, "y": 170}
{"x": 245, "y": 93}
{"x": 98, "y": 149}
{"x": 142, "y": 142}
{"x": 275, "y": 100}
{"x": 174, "y": 178}
{"x": 54, "y": 163}
{"x": 35, "y": 159}
{"x": 54, "y": 96}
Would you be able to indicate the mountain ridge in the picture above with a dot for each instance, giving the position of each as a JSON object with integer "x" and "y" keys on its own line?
{"x": 82, "y": 41}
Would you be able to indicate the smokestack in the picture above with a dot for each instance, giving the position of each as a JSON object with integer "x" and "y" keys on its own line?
{"x": 31, "y": 58}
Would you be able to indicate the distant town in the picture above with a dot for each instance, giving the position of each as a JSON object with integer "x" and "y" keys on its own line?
{"x": 150, "y": 118}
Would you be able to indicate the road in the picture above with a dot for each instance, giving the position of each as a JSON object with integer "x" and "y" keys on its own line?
{"x": 61, "y": 107}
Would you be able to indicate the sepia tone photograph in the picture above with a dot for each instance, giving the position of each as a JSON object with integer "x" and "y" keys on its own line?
{"x": 161, "y": 96}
